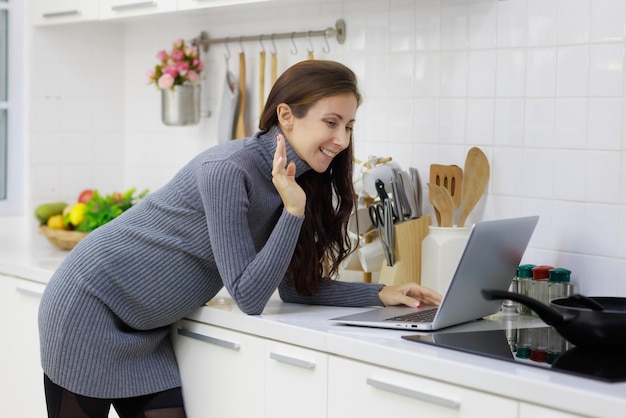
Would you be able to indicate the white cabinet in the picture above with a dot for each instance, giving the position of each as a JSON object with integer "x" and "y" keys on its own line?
{"x": 113, "y": 9}
{"x": 359, "y": 389}
{"x": 46, "y": 12}
{"x": 21, "y": 390}
{"x": 295, "y": 377}
{"x": 232, "y": 374}
{"x": 222, "y": 371}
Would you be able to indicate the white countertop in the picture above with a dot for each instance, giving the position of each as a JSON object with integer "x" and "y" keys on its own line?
{"x": 26, "y": 254}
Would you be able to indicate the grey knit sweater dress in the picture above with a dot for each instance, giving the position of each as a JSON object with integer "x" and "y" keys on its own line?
{"x": 105, "y": 316}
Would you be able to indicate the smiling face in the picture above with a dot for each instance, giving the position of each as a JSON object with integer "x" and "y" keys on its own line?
{"x": 323, "y": 132}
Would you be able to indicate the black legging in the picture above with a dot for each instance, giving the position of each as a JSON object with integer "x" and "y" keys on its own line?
{"x": 62, "y": 403}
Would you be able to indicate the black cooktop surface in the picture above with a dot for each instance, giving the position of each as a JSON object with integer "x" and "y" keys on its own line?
{"x": 534, "y": 347}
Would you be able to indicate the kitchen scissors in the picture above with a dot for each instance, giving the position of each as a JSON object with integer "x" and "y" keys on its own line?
{"x": 381, "y": 216}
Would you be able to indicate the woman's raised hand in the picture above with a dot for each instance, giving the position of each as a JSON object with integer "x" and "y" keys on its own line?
{"x": 284, "y": 179}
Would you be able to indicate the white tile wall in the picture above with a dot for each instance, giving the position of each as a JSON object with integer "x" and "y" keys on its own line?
{"x": 537, "y": 84}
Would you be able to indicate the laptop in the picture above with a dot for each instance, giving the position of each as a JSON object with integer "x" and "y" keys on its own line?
{"x": 490, "y": 259}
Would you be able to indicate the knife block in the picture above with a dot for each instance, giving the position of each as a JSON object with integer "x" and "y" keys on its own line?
{"x": 408, "y": 237}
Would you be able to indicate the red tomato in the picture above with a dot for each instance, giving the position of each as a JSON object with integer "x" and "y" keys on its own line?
{"x": 85, "y": 196}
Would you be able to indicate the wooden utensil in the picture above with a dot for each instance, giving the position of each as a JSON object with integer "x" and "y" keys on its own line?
{"x": 240, "y": 132}
{"x": 274, "y": 68}
{"x": 475, "y": 179}
{"x": 261, "y": 81}
{"x": 449, "y": 177}
{"x": 441, "y": 199}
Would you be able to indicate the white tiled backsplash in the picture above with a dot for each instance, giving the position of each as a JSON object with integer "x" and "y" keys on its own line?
{"x": 537, "y": 84}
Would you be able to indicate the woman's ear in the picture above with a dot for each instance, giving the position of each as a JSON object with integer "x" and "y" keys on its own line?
{"x": 285, "y": 117}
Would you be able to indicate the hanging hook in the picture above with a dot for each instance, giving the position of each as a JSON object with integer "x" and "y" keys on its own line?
{"x": 294, "y": 51}
{"x": 273, "y": 44}
{"x": 227, "y": 54}
{"x": 326, "y": 48}
{"x": 311, "y": 50}
{"x": 261, "y": 42}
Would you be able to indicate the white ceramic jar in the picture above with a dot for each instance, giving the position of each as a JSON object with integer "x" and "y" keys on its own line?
{"x": 441, "y": 251}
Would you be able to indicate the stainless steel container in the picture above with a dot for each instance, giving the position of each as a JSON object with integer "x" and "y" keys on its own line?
{"x": 180, "y": 106}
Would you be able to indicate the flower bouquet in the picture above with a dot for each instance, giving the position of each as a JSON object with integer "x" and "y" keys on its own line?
{"x": 179, "y": 67}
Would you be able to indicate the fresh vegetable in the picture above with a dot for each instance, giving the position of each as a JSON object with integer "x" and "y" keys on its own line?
{"x": 45, "y": 211}
{"x": 85, "y": 196}
{"x": 102, "y": 209}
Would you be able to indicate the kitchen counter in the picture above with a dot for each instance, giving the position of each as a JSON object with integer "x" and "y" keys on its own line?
{"x": 26, "y": 254}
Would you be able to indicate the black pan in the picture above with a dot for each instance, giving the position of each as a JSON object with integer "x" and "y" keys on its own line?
{"x": 597, "y": 323}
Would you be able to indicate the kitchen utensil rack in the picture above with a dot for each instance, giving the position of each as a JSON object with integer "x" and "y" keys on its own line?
{"x": 338, "y": 32}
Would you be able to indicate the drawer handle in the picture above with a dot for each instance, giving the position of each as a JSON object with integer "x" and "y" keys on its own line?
{"x": 422, "y": 396}
{"x": 60, "y": 14}
{"x": 132, "y": 6}
{"x": 210, "y": 340}
{"x": 29, "y": 292}
{"x": 292, "y": 361}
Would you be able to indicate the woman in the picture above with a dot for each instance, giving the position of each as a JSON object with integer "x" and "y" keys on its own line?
{"x": 254, "y": 215}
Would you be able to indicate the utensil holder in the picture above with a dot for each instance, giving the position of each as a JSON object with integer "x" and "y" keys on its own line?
{"x": 441, "y": 251}
{"x": 408, "y": 252}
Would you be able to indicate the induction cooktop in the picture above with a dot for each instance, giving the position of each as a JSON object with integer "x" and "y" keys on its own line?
{"x": 535, "y": 347}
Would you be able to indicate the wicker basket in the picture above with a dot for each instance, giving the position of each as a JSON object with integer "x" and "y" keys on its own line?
{"x": 65, "y": 240}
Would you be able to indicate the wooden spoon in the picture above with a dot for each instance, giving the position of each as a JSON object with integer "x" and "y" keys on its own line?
{"x": 441, "y": 199}
{"x": 475, "y": 179}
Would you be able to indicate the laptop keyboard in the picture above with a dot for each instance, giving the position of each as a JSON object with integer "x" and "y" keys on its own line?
{"x": 425, "y": 315}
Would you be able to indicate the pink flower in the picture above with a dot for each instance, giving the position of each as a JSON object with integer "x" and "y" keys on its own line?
{"x": 166, "y": 81}
{"x": 177, "y": 54}
{"x": 193, "y": 76}
{"x": 150, "y": 76}
{"x": 172, "y": 71}
{"x": 162, "y": 55}
{"x": 191, "y": 51}
{"x": 197, "y": 64}
{"x": 179, "y": 43}
{"x": 182, "y": 66}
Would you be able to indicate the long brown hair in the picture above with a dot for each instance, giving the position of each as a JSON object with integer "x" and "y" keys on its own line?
{"x": 323, "y": 239}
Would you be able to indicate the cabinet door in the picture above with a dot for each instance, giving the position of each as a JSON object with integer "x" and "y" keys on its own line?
{"x": 22, "y": 380}
{"x": 527, "y": 410}
{"x": 223, "y": 371}
{"x": 112, "y": 9}
{"x": 359, "y": 389}
{"x": 202, "y": 4}
{"x": 295, "y": 377}
{"x": 46, "y": 12}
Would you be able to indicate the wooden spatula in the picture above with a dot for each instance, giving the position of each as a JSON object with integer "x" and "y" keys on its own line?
{"x": 475, "y": 179}
{"x": 442, "y": 201}
{"x": 449, "y": 177}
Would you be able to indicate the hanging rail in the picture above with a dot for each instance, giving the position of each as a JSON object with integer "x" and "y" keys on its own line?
{"x": 338, "y": 32}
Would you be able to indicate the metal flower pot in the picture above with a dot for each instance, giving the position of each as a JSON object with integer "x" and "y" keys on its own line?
{"x": 180, "y": 106}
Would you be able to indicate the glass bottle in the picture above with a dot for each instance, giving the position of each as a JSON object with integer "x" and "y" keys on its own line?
{"x": 540, "y": 284}
{"x": 559, "y": 283}
{"x": 524, "y": 280}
